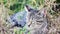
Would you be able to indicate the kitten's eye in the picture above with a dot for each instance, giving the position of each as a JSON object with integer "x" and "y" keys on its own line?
{"x": 39, "y": 21}
{"x": 39, "y": 13}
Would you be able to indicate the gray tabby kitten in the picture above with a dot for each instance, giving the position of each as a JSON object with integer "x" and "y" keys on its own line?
{"x": 36, "y": 20}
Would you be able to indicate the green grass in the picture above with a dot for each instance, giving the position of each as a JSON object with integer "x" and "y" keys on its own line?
{"x": 21, "y": 31}
{"x": 18, "y": 5}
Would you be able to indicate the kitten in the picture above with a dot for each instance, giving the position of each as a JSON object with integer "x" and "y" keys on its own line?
{"x": 32, "y": 19}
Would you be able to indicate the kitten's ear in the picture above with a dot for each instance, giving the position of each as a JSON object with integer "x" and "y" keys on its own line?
{"x": 43, "y": 11}
{"x": 28, "y": 8}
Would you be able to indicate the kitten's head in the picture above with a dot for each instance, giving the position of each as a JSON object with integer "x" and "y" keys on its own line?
{"x": 34, "y": 15}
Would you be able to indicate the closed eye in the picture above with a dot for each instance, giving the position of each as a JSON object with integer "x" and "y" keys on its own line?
{"x": 39, "y": 21}
{"x": 39, "y": 13}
